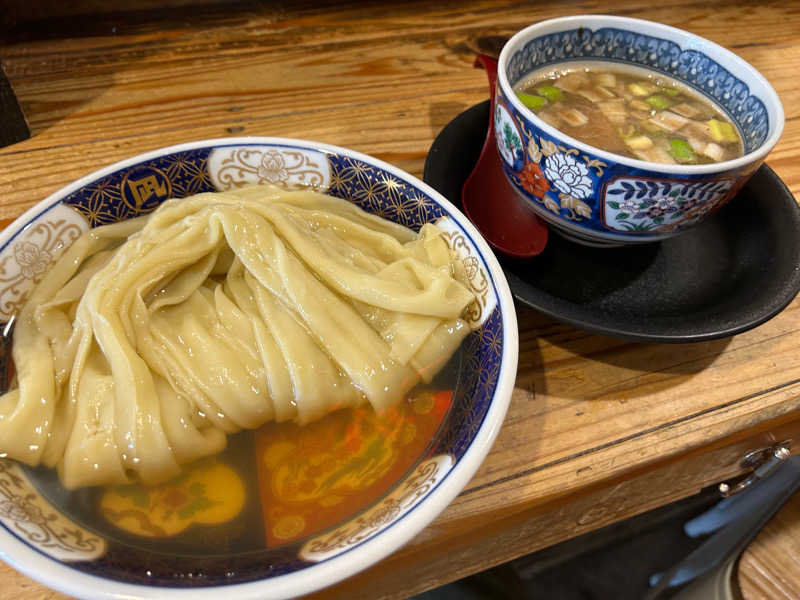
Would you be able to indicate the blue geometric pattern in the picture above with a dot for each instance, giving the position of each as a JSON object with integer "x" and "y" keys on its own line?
{"x": 381, "y": 193}
{"x": 690, "y": 66}
{"x": 139, "y": 189}
{"x": 480, "y": 370}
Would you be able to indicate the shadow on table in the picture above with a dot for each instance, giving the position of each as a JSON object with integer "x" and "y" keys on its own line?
{"x": 613, "y": 562}
{"x": 639, "y": 369}
{"x": 439, "y": 115}
{"x": 102, "y": 28}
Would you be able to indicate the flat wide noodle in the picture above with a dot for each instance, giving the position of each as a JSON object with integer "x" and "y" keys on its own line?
{"x": 151, "y": 340}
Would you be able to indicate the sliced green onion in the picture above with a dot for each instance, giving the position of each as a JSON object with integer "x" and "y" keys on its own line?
{"x": 532, "y": 102}
{"x": 722, "y": 131}
{"x": 658, "y": 102}
{"x": 681, "y": 151}
{"x": 671, "y": 91}
{"x": 551, "y": 93}
{"x": 639, "y": 89}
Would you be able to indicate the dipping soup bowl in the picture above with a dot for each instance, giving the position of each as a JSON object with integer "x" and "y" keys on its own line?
{"x": 599, "y": 198}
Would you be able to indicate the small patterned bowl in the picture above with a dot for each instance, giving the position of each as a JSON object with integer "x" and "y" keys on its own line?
{"x": 599, "y": 198}
{"x": 217, "y": 532}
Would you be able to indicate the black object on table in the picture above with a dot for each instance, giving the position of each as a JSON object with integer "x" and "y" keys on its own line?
{"x": 13, "y": 127}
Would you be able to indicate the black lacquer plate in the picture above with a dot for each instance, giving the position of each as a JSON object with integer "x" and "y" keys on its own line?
{"x": 733, "y": 272}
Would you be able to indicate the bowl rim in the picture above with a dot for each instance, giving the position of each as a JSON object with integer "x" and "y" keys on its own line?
{"x": 678, "y": 36}
{"x": 62, "y": 577}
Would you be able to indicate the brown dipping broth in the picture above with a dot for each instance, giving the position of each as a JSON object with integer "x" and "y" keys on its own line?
{"x": 632, "y": 111}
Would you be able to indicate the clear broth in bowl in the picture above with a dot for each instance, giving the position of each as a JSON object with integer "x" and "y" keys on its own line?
{"x": 271, "y": 486}
{"x": 634, "y": 112}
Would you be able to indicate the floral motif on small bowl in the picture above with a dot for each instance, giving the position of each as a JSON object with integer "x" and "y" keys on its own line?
{"x": 564, "y": 183}
{"x": 639, "y": 204}
{"x": 597, "y": 197}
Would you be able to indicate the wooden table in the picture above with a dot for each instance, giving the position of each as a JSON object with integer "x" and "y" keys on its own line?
{"x": 599, "y": 429}
{"x": 769, "y": 569}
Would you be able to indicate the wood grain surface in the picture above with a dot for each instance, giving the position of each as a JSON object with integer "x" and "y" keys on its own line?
{"x": 769, "y": 569}
{"x": 593, "y": 420}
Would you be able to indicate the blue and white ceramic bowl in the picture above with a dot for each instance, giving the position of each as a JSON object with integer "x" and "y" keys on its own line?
{"x": 599, "y": 198}
{"x": 44, "y": 532}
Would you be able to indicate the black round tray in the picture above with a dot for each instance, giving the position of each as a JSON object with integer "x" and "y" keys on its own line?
{"x": 731, "y": 273}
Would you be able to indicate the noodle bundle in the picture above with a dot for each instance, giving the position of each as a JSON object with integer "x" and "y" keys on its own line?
{"x": 151, "y": 340}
